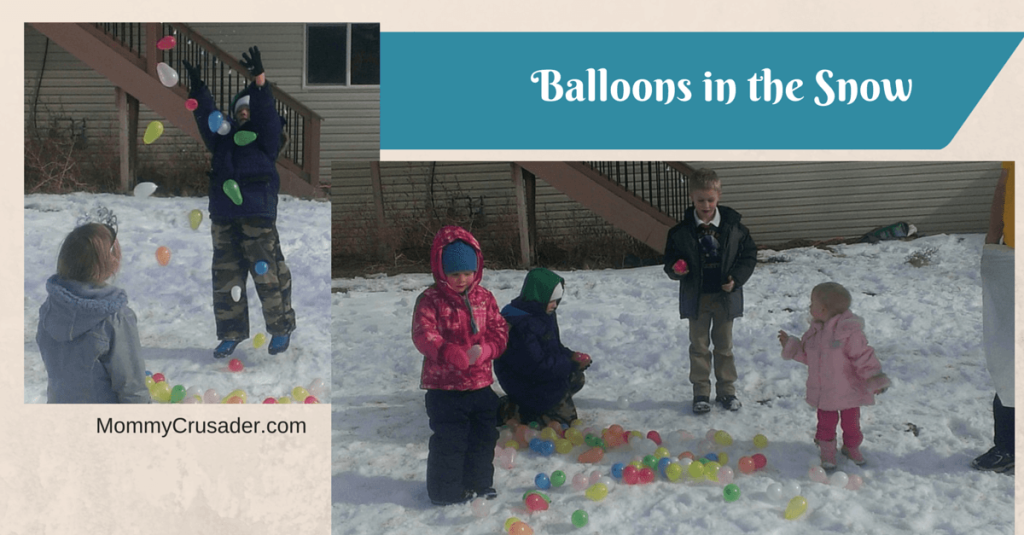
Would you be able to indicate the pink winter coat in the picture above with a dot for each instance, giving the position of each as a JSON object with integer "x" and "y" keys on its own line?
{"x": 442, "y": 324}
{"x": 839, "y": 362}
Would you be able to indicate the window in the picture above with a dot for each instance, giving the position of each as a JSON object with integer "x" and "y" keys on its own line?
{"x": 342, "y": 54}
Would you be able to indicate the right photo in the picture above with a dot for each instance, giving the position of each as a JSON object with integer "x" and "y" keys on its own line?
{"x": 749, "y": 347}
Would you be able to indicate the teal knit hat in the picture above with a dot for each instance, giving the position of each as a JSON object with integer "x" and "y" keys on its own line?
{"x": 458, "y": 256}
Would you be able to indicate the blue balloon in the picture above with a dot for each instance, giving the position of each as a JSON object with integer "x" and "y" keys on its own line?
{"x": 214, "y": 121}
{"x": 712, "y": 457}
{"x": 547, "y": 447}
{"x": 617, "y": 470}
{"x": 261, "y": 267}
{"x": 662, "y": 463}
{"x": 542, "y": 481}
{"x": 535, "y": 444}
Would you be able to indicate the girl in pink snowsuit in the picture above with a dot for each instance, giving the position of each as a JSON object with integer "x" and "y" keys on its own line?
{"x": 458, "y": 328}
{"x": 843, "y": 373}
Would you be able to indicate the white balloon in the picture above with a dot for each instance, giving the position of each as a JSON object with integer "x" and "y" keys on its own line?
{"x": 224, "y": 128}
{"x": 144, "y": 189}
{"x": 839, "y": 479}
{"x": 792, "y": 489}
{"x": 168, "y": 76}
{"x": 774, "y": 492}
{"x": 817, "y": 474}
{"x": 236, "y": 293}
{"x": 623, "y": 403}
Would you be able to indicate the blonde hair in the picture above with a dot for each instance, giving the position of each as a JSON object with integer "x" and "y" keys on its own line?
{"x": 90, "y": 253}
{"x": 834, "y": 296}
{"x": 705, "y": 179}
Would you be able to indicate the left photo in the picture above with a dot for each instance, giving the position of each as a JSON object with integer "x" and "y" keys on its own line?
{"x": 177, "y": 226}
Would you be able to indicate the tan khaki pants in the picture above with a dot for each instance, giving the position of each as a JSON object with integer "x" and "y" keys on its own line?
{"x": 712, "y": 326}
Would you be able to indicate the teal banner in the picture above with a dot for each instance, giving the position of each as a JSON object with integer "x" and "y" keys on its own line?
{"x": 683, "y": 90}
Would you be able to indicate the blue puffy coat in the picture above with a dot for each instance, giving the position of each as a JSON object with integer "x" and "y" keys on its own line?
{"x": 252, "y": 165}
{"x": 89, "y": 341}
{"x": 534, "y": 370}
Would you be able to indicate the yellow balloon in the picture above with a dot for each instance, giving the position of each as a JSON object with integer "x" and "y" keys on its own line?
{"x": 760, "y": 441}
{"x": 149, "y": 382}
{"x": 548, "y": 434}
{"x": 511, "y": 520}
{"x": 695, "y": 470}
{"x": 723, "y": 438}
{"x": 563, "y": 446}
{"x": 661, "y": 453}
{"x": 796, "y": 507}
{"x": 239, "y": 394}
{"x": 597, "y": 492}
{"x": 284, "y": 400}
{"x": 153, "y": 131}
{"x": 711, "y": 471}
{"x": 575, "y": 436}
{"x": 161, "y": 392}
{"x": 723, "y": 458}
{"x": 673, "y": 471}
{"x": 300, "y": 394}
{"x": 195, "y": 217}
{"x": 259, "y": 340}
{"x": 512, "y": 444}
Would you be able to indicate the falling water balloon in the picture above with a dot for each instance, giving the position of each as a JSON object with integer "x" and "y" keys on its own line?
{"x": 232, "y": 191}
{"x": 153, "y": 131}
{"x": 167, "y": 75}
{"x": 166, "y": 43}
{"x": 144, "y": 189}
{"x": 236, "y": 293}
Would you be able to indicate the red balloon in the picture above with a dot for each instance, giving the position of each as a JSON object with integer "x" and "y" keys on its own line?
{"x": 760, "y": 461}
{"x": 157, "y": 377}
{"x": 166, "y": 43}
{"x": 269, "y": 401}
{"x": 630, "y": 474}
{"x": 747, "y": 465}
{"x": 191, "y": 104}
{"x": 235, "y": 365}
{"x": 535, "y": 502}
{"x": 653, "y": 435}
{"x": 646, "y": 475}
{"x": 311, "y": 400}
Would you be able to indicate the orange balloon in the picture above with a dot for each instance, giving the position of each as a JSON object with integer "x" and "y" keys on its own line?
{"x": 163, "y": 255}
{"x": 593, "y": 455}
{"x": 520, "y": 528}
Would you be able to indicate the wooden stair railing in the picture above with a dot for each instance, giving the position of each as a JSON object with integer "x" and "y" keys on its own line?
{"x": 127, "y": 55}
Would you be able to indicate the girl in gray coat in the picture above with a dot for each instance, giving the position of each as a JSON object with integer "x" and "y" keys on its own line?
{"x": 87, "y": 334}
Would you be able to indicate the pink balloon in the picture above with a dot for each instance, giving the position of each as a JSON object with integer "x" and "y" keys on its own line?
{"x": 191, "y": 104}
{"x": 269, "y": 401}
{"x": 725, "y": 475}
{"x": 535, "y": 502}
{"x": 817, "y": 474}
{"x": 211, "y": 396}
{"x": 580, "y": 482}
{"x": 855, "y": 482}
{"x": 166, "y": 43}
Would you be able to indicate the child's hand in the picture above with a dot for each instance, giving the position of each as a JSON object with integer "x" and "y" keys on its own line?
{"x": 879, "y": 383}
{"x": 728, "y": 286}
{"x": 680, "y": 267}
{"x": 455, "y": 355}
{"x": 783, "y": 338}
{"x": 474, "y": 353}
{"x": 582, "y": 359}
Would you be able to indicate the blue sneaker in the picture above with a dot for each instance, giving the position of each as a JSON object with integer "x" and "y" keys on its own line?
{"x": 225, "y": 348}
{"x": 279, "y": 343}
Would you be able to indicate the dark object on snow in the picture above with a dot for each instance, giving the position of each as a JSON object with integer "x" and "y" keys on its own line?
{"x": 895, "y": 231}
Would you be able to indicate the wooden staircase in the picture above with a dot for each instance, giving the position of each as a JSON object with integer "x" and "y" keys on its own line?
{"x": 127, "y": 55}
{"x": 644, "y": 199}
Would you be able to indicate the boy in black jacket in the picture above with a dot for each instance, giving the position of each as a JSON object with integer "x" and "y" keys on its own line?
{"x": 712, "y": 255}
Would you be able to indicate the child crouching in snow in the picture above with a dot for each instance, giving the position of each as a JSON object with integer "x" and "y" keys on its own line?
{"x": 87, "y": 335}
{"x": 458, "y": 328}
{"x": 843, "y": 373}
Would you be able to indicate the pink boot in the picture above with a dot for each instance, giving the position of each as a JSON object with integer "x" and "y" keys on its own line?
{"x": 828, "y": 454}
{"x": 854, "y": 455}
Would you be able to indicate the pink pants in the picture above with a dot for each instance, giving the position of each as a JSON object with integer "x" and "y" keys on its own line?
{"x": 827, "y": 420}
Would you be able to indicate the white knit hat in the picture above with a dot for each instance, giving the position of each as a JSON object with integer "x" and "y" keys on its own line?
{"x": 556, "y": 294}
{"x": 243, "y": 101}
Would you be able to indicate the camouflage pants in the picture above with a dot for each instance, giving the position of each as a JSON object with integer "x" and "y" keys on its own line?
{"x": 564, "y": 411}
{"x": 238, "y": 246}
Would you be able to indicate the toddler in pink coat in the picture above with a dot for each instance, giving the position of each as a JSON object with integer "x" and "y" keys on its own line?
{"x": 843, "y": 373}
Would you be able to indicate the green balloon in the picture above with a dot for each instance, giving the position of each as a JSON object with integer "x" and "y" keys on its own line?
{"x": 177, "y": 394}
{"x": 580, "y": 518}
{"x": 650, "y": 461}
{"x": 557, "y": 478}
{"x": 731, "y": 492}
{"x": 232, "y": 191}
{"x": 244, "y": 137}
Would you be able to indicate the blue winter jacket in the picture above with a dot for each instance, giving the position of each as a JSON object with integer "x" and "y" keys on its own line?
{"x": 534, "y": 370}
{"x": 252, "y": 165}
{"x": 90, "y": 345}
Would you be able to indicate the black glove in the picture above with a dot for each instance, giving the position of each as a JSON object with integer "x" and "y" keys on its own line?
{"x": 195, "y": 77}
{"x": 252, "y": 61}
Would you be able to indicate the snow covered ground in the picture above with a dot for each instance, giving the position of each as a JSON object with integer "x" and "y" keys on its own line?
{"x": 174, "y": 303}
{"x": 921, "y": 301}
